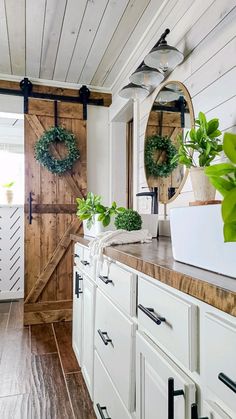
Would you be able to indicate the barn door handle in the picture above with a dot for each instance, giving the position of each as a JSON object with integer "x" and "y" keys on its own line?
{"x": 227, "y": 381}
{"x": 105, "y": 279}
{"x": 172, "y": 393}
{"x": 194, "y": 412}
{"x": 77, "y": 288}
{"x": 151, "y": 314}
{"x": 100, "y": 410}
{"x": 30, "y": 200}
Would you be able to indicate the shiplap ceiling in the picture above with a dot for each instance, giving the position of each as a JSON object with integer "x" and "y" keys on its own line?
{"x": 74, "y": 41}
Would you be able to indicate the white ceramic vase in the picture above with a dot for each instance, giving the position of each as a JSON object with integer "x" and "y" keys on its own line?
{"x": 202, "y": 188}
{"x": 97, "y": 227}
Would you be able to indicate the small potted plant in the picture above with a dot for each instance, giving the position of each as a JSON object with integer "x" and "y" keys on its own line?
{"x": 129, "y": 220}
{"x": 95, "y": 216}
{"x": 9, "y": 192}
{"x": 199, "y": 148}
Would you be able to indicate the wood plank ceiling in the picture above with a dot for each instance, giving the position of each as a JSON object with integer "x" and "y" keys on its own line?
{"x": 73, "y": 41}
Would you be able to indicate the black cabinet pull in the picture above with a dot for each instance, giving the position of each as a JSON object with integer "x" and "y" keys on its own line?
{"x": 77, "y": 256}
{"x": 172, "y": 393}
{"x": 85, "y": 262}
{"x": 151, "y": 314}
{"x": 227, "y": 381}
{"x": 194, "y": 412}
{"x": 105, "y": 279}
{"x": 104, "y": 336}
{"x": 100, "y": 410}
{"x": 78, "y": 290}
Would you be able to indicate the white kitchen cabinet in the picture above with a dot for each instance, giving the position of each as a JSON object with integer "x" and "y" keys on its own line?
{"x": 114, "y": 341}
{"x": 77, "y": 314}
{"x": 157, "y": 381}
{"x": 107, "y": 402}
{"x": 88, "y": 333}
{"x": 213, "y": 411}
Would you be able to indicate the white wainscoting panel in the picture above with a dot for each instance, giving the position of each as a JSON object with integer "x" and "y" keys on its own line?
{"x": 11, "y": 252}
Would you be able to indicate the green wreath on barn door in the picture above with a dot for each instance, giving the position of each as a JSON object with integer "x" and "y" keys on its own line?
{"x": 156, "y": 143}
{"x": 52, "y": 136}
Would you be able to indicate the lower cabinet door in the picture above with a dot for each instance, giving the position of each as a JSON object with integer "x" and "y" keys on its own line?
{"x": 107, "y": 402}
{"x": 77, "y": 314}
{"x": 88, "y": 333}
{"x": 213, "y": 411}
{"x": 163, "y": 391}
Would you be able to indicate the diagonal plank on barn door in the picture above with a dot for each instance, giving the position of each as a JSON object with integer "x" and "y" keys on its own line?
{"x": 39, "y": 130}
{"x": 45, "y": 276}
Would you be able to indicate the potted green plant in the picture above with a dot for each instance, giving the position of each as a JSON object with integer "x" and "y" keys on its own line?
{"x": 95, "y": 216}
{"x": 223, "y": 178}
{"x": 129, "y": 220}
{"x": 9, "y": 192}
{"x": 197, "y": 151}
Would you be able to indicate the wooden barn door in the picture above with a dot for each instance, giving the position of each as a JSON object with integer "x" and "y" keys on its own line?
{"x": 48, "y": 247}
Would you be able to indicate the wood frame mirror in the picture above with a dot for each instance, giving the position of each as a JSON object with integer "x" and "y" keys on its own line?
{"x": 171, "y": 115}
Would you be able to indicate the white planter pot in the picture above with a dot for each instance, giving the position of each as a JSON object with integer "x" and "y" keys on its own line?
{"x": 202, "y": 188}
{"x": 150, "y": 223}
{"x": 97, "y": 227}
{"x": 9, "y": 196}
{"x": 197, "y": 239}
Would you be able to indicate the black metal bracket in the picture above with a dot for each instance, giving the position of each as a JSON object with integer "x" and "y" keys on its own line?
{"x": 26, "y": 90}
{"x": 194, "y": 412}
{"x": 26, "y": 87}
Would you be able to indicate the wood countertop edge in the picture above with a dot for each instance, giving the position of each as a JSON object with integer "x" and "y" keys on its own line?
{"x": 212, "y": 294}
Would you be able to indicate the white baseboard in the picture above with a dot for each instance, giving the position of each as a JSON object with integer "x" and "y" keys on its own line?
{"x": 11, "y": 295}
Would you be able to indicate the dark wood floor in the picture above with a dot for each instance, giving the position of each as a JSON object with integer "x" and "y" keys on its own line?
{"x": 39, "y": 374}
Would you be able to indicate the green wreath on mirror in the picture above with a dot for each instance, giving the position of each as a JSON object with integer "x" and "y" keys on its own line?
{"x": 158, "y": 143}
{"x": 45, "y": 158}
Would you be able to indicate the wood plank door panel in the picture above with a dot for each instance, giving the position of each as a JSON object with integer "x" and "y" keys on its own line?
{"x": 48, "y": 248}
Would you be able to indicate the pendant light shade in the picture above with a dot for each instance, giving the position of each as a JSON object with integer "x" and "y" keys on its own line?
{"x": 167, "y": 95}
{"x": 164, "y": 57}
{"x": 146, "y": 76}
{"x": 133, "y": 91}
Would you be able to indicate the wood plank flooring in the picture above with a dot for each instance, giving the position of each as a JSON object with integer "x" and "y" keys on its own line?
{"x": 39, "y": 374}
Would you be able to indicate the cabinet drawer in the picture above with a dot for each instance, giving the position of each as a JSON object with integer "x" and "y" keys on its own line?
{"x": 119, "y": 284}
{"x": 170, "y": 321}
{"x": 213, "y": 411}
{"x": 114, "y": 342}
{"x": 87, "y": 264}
{"x": 78, "y": 254}
{"x": 219, "y": 358}
{"x": 105, "y": 395}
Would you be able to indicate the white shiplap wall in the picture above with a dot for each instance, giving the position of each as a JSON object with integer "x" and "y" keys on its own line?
{"x": 206, "y": 33}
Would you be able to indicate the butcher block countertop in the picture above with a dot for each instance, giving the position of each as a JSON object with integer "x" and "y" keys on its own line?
{"x": 155, "y": 259}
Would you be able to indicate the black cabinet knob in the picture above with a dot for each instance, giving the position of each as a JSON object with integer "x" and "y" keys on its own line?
{"x": 104, "y": 336}
{"x": 102, "y": 409}
{"x": 85, "y": 262}
{"x": 194, "y": 412}
{"x": 151, "y": 314}
{"x": 172, "y": 393}
{"x": 105, "y": 279}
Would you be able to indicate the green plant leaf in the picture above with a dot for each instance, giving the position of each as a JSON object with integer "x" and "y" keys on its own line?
{"x": 229, "y": 146}
{"x": 220, "y": 169}
{"x": 229, "y": 206}
{"x": 215, "y": 134}
{"x": 203, "y": 121}
{"x": 221, "y": 184}
{"x": 213, "y": 126}
{"x": 106, "y": 221}
{"x": 230, "y": 232}
{"x": 100, "y": 208}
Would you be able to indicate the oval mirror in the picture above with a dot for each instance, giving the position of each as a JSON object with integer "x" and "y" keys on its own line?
{"x": 171, "y": 116}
